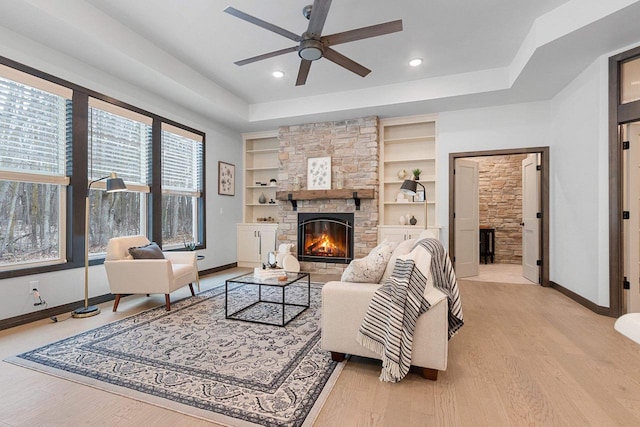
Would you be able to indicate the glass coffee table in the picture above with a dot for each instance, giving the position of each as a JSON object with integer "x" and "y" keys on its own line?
{"x": 268, "y": 301}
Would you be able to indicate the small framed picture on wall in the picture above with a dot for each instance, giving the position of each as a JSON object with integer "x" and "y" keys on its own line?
{"x": 319, "y": 173}
{"x": 226, "y": 179}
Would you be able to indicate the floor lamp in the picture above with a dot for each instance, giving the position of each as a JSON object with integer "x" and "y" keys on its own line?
{"x": 410, "y": 187}
{"x": 113, "y": 184}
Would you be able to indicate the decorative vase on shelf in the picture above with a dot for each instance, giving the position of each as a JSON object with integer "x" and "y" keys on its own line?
{"x": 262, "y": 199}
{"x": 403, "y": 220}
{"x": 413, "y": 220}
{"x": 402, "y": 174}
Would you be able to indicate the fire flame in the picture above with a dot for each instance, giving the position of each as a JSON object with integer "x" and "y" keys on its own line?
{"x": 324, "y": 246}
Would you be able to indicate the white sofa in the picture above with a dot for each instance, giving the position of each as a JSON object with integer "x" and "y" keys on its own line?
{"x": 147, "y": 276}
{"x": 344, "y": 305}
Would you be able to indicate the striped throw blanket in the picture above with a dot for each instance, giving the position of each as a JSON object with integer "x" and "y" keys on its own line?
{"x": 419, "y": 280}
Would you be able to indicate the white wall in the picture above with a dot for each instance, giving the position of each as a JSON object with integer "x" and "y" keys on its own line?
{"x": 570, "y": 126}
{"x": 580, "y": 186}
{"x": 484, "y": 129}
{"x": 223, "y": 212}
{"x": 574, "y": 126}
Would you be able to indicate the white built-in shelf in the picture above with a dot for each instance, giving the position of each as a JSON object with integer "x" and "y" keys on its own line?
{"x": 409, "y": 203}
{"x": 407, "y": 143}
{"x": 262, "y": 186}
{"x": 426, "y": 138}
{"x": 400, "y": 181}
{"x": 413, "y": 159}
{"x": 264, "y": 150}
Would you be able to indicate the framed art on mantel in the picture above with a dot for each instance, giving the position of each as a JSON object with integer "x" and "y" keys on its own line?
{"x": 226, "y": 179}
{"x": 319, "y": 173}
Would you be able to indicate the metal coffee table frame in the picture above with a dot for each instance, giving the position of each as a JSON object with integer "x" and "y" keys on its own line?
{"x": 250, "y": 279}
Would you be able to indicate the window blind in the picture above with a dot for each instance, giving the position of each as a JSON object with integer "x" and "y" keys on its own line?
{"x": 33, "y": 129}
{"x": 182, "y": 159}
{"x": 119, "y": 144}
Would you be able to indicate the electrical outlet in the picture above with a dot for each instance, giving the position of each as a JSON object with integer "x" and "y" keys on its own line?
{"x": 33, "y": 284}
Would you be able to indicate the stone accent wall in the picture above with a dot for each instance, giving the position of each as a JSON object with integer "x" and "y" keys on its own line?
{"x": 354, "y": 150}
{"x": 500, "y": 199}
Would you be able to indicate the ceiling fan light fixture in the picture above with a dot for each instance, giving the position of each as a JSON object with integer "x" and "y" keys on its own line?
{"x": 278, "y": 74}
{"x": 415, "y": 62}
{"x": 310, "y": 50}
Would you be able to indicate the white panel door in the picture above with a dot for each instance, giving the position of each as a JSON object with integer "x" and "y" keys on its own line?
{"x": 467, "y": 218}
{"x": 531, "y": 223}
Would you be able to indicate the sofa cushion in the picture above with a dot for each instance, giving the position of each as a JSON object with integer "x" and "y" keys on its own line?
{"x": 150, "y": 251}
{"x": 370, "y": 268}
{"x": 403, "y": 248}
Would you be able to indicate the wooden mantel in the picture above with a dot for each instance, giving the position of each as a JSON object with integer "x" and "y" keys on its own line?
{"x": 345, "y": 193}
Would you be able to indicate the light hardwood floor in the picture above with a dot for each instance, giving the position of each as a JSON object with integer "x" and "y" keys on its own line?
{"x": 527, "y": 355}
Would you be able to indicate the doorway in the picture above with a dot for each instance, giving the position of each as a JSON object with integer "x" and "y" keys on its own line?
{"x": 532, "y": 232}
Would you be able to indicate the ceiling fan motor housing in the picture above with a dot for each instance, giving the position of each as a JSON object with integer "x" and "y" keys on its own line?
{"x": 310, "y": 50}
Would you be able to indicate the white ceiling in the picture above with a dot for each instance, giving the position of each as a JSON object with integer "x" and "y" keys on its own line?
{"x": 476, "y": 52}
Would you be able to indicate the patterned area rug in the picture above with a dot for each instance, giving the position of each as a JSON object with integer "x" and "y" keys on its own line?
{"x": 194, "y": 361}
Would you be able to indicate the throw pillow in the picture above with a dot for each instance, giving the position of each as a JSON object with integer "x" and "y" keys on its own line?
{"x": 149, "y": 251}
{"x": 403, "y": 248}
{"x": 370, "y": 268}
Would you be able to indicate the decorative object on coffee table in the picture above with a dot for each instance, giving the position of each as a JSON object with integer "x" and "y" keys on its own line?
{"x": 226, "y": 179}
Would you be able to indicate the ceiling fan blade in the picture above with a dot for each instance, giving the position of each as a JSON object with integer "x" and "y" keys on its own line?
{"x": 363, "y": 33}
{"x": 266, "y": 55}
{"x": 305, "y": 65}
{"x": 260, "y": 23}
{"x": 345, "y": 62}
{"x": 319, "y": 12}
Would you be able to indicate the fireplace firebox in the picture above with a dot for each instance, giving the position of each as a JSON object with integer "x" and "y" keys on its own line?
{"x": 325, "y": 237}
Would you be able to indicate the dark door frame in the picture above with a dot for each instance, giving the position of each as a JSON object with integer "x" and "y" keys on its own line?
{"x": 544, "y": 199}
{"x": 619, "y": 114}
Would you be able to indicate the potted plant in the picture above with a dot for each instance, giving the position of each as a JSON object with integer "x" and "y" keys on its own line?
{"x": 416, "y": 174}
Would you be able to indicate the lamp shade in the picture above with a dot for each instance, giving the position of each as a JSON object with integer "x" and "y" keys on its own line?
{"x": 409, "y": 187}
{"x": 115, "y": 184}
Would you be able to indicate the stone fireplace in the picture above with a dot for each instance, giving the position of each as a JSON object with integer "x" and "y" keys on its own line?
{"x": 353, "y": 148}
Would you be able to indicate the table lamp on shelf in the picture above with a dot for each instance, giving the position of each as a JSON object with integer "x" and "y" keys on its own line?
{"x": 410, "y": 187}
{"x": 113, "y": 184}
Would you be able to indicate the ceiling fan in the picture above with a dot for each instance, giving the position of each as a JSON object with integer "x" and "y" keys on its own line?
{"x": 312, "y": 45}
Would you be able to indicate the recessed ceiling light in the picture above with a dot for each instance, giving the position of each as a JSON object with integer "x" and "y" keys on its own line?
{"x": 278, "y": 74}
{"x": 415, "y": 62}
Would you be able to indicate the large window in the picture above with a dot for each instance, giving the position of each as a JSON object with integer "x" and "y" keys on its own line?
{"x": 51, "y": 132}
{"x": 120, "y": 142}
{"x": 34, "y": 135}
{"x": 182, "y": 178}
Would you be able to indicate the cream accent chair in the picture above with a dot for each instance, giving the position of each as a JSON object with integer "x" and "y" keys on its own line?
{"x": 147, "y": 276}
{"x": 344, "y": 305}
